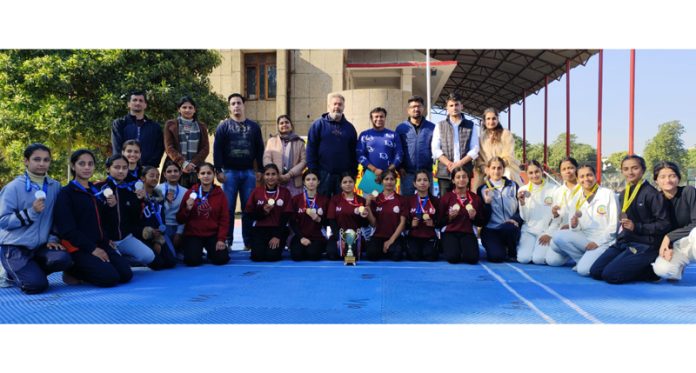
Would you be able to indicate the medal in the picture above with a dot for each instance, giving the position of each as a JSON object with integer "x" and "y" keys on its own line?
{"x": 469, "y": 207}
{"x": 193, "y": 195}
{"x": 108, "y": 192}
{"x": 578, "y": 214}
{"x": 426, "y": 217}
{"x": 271, "y": 202}
{"x": 456, "y": 207}
{"x": 311, "y": 211}
{"x": 361, "y": 209}
{"x": 623, "y": 216}
{"x": 375, "y": 193}
{"x": 139, "y": 185}
{"x": 40, "y": 194}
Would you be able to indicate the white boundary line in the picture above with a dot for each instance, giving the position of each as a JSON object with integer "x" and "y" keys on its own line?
{"x": 439, "y": 268}
{"x": 515, "y": 293}
{"x": 563, "y": 299}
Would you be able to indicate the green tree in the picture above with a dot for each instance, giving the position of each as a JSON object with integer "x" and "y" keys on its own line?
{"x": 68, "y": 98}
{"x": 666, "y": 145}
{"x": 614, "y": 162}
{"x": 691, "y": 158}
{"x": 583, "y": 153}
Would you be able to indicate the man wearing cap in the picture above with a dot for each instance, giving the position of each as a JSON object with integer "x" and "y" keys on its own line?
{"x": 28, "y": 252}
{"x": 136, "y": 125}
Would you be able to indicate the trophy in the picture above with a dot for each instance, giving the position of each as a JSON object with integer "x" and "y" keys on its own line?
{"x": 350, "y": 237}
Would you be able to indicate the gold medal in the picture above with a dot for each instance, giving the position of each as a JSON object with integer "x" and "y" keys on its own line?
{"x": 426, "y": 217}
{"x": 469, "y": 207}
{"x": 311, "y": 211}
{"x": 361, "y": 209}
{"x": 271, "y": 202}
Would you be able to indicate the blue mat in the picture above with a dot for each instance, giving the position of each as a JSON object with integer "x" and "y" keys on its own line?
{"x": 287, "y": 292}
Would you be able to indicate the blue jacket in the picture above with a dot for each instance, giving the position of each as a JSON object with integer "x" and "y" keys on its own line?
{"x": 149, "y": 134}
{"x": 20, "y": 225}
{"x": 237, "y": 145}
{"x": 78, "y": 219}
{"x": 331, "y": 146}
{"x": 416, "y": 146}
{"x": 379, "y": 148}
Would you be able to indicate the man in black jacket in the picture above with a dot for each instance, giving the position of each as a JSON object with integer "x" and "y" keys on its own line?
{"x": 137, "y": 126}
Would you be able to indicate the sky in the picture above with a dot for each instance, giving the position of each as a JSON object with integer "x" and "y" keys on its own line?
{"x": 664, "y": 84}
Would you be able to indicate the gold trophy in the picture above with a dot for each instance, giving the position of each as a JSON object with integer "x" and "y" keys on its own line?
{"x": 350, "y": 237}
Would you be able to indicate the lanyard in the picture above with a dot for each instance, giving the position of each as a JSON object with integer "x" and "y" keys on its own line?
{"x": 384, "y": 198}
{"x": 166, "y": 191}
{"x": 92, "y": 190}
{"x": 422, "y": 204}
{"x": 153, "y": 208}
{"x": 201, "y": 195}
{"x": 628, "y": 200}
{"x": 490, "y": 186}
{"x": 310, "y": 203}
{"x": 531, "y": 186}
{"x": 29, "y": 186}
{"x": 269, "y": 193}
{"x": 459, "y": 199}
{"x": 565, "y": 193}
{"x": 354, "y": 202}
{"x": 119, "y": 184}
{"x": 583, "y": 199}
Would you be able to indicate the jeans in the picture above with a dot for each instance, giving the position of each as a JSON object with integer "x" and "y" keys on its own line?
{"x": 329, "y": 184}
{"x": 240, "y": 182}
{"x": 135, "y": 251}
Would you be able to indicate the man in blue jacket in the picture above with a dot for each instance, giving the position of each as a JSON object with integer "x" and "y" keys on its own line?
{"x": 378, "y": 149}
{"x": 238, "y": 157}
{"x": 331, "y": 144}
{"x": 28, "y": 252}
{"x": 416, "y": 135}
{"x": 136, "y": 125}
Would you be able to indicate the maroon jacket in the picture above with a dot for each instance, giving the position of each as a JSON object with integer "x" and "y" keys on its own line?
{"x": 461, "y": 223}
{"x": 303, "y": 225}
{"x": 279, "y": 215}
{"x": 432, "y": 208}
{"x": 387, "y": 214}
{"x": 209, "y": 217}
{"x": 343, "y": 213}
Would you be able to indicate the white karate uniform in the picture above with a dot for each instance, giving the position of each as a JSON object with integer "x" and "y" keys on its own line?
{"x": 598, "y": 224}
{"x": 537, "y": 217}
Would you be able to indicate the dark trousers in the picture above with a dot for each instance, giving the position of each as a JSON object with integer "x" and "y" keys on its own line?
{"x": 260, "y": 249}
{"x": 29, "y": 268}
{"x": 333, "y": 252}
{"x": 91, "y": 269}
{"x": 375, "y": 249}
{"x": 193, "y": 251}
{"x": 460, "y": 247}
{"x": 619, "y": 264}
{"x": 313, "y": 251}
{"x": 444, "y": 186}
{"x": 500, "y": 243}
{"x": 329, "y": 184}
{"x": 422, "y": 249}
{"x": 164, "y": 260}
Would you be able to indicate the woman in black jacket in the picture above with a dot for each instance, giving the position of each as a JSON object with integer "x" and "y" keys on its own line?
{"x": 77, "y": 220}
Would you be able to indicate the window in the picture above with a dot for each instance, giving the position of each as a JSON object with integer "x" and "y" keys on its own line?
{"x": 260, "y": 76}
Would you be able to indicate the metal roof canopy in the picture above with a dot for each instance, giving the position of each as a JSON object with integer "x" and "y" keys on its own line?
{"x": 500, "y": 77}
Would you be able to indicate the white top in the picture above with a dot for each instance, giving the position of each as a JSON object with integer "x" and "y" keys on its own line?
{"x": 436, "y": 145}
{"x": 562, "y": 197}
{"x": 599, "y": 218}
{"x": 536, "y": 211}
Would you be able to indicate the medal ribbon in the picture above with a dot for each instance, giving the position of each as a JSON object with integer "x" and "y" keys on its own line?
{"x": 583, "y": 199}
{"x": 628, "y": 200}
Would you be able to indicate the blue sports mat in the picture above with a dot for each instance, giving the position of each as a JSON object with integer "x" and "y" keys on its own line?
{"x": 325, "y": 292}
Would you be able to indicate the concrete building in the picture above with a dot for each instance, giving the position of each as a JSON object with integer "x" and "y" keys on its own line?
{"x": 297, "y": 83}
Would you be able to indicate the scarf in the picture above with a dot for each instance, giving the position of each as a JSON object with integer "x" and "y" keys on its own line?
{"x": 288, "y": 155}
{"x": 189, "y": 136}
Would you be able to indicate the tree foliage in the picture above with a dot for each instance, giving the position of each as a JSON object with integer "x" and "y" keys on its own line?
{"x": 666, "y": 145}
{"x": 614, "y": 162}
{"x": 691, "y": 157}
{"x": 68, "y": 98}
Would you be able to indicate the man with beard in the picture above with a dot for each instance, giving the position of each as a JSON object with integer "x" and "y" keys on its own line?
{"x": 416, "y": 135}
{"x": 331, "y": 144}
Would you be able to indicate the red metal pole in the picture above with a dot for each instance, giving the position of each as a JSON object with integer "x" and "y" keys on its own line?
{"x": 509, "y": 114}
{"x": 524, "y": 126}
{"x": 567, "y": 108}
{"x": 599, "y": 117}
{"x": 546, "y": 120}
{"x": 632, "y": 99}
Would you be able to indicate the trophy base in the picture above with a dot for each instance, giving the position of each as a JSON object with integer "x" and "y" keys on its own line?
{"x": 349, "y": 260}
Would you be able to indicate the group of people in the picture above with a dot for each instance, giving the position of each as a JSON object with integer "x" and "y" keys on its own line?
{"x": 303, "y": 197}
